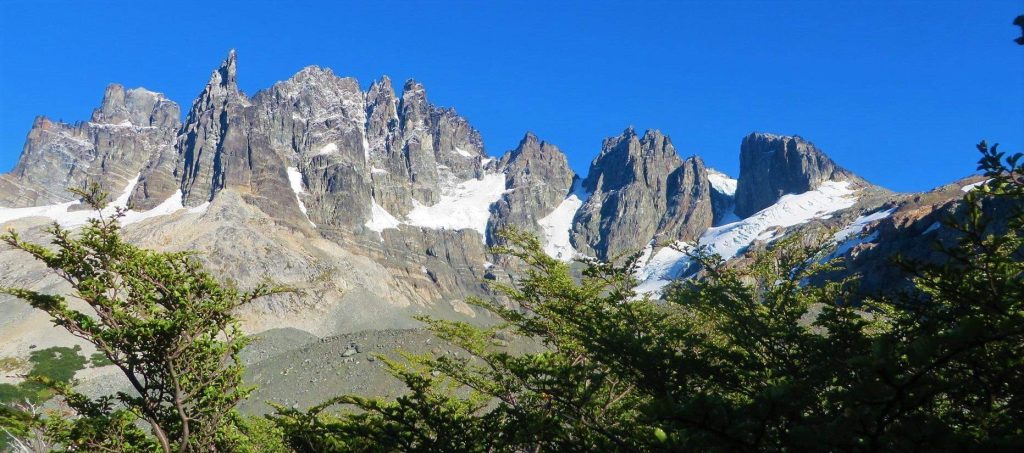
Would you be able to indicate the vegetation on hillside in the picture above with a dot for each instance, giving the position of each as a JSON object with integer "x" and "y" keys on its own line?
{"x": 743, "y": 359}
{"x": 161, "y": 319}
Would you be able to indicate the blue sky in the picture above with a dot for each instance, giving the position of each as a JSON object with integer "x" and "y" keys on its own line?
{"x": 898, "y": 92}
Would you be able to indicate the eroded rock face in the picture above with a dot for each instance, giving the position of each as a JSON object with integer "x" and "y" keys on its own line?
{"x": 774, "y": 165}
{"x": 315, "y": 121}
{"x": 640, "y": 189}
{"x": 127, "y": 129}
{"x": 293, "y": 172}
{"x": 214, "y": 137}
{"x": 689, "y": 210}
{"x": 537, "y": 180}
{"x": 138, "y": 107}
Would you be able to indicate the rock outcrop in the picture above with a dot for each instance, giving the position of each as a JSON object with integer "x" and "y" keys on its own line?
{"x": 111, "y": 149}
{"x": 641, "y": 190}
{"x": 774, "y": 165}
{"x": 537, "y": 179}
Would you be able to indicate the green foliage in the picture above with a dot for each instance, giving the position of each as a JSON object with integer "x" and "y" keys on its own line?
{"x": 57, "y": 364}
{"x": 51, "y": 365}
{"x": 8, "y": 364}
{"x": 739, "y": 359}
{"x": 98, "y": 359}
{"x": 160, "y": 318}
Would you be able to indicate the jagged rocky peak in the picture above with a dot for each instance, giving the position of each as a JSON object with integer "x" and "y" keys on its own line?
{"x": 641, "y": 190}
{"x": 537, "y": 180}
{"x": 136, "y": 107}
{"x": 221, "y": 88}
{"x": 414, "y": 108}
{"x": 774, "y": 165}
{"x": 452, "y": 132}
{"x": 627, "y": 157}
{"x": 125, "y": 130}
{"x": 381, "y": 117}
{"x": 314, "y": 113}
{"x": 226, "y": 75}
{"x": 214, "y": 137}
{"x": 689, "y": 210}
{"x": 530, "y": 147}
{"x": 381, "y": 103}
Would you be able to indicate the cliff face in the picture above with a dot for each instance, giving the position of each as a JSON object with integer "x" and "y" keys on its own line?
{"x": 384, "y": 204}
{"x": 775, "y": 165}
{"x": 537, "y": 180}
{"x": 641, "y": 190}
{"x": 125, "y": 131}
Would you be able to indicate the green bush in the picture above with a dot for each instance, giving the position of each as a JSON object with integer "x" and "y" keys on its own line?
{"x": 745, "y": 359}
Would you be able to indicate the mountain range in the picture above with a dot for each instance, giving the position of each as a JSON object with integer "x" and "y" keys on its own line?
{"x": 379, "y": 205}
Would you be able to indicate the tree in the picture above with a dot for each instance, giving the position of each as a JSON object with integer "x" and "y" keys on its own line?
{"x": 744, "y": 359}
{"x": 163, "y": 320}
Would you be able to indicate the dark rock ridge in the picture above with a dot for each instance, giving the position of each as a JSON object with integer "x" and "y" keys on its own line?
{"x": 349, "y": 148}
{"x": 774, "y": 165}
{"x": 640, "y": 189}
{"x": 537, "y": 180}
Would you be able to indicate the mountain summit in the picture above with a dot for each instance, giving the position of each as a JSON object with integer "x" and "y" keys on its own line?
{"x": 381, "y": 205}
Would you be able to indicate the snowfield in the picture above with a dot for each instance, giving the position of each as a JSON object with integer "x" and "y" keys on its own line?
{"x": 722, "y": 183}
{"x": 557, "y": 225}
{"x": 463, "y": 205}
{"x": 853, "y": 235}
{"x": 295, "y": 180}
{"x": 69, "y": 219}
{"x": 732, "y": 239}
{"x": 971, "y": 187}
{"x": 665, "y": 266}
{"x": 381, "y": 219}
{"x": 858, "y": 225}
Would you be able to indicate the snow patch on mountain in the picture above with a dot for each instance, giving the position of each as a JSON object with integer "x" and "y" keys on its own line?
{"x": 722, "y": 182}
{"x": 463, "y": 205}
{"x": 971, "y": 187}
{"x": 328, "y": 149}
{"x": 664, "y": 267}
{"x": 69, "y": 219}
{"x": 295, "y": 180}
{"x": 380, "y": 218}
{"x": 557, "y": 225}
{"x": 733, "y": 239}
{"x": 860, "y": 222}
{"x": 854, "y": 234}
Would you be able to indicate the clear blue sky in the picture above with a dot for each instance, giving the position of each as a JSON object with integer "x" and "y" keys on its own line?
{"x": 898, "y": 92}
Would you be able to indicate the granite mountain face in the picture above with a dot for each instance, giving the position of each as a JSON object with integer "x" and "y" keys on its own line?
{"x": 381, "y": 205}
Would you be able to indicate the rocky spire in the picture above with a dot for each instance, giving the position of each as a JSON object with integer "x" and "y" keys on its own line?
{"x": 226, "y": 76}
{"x": 214, "y": 129}
{"x": 414, "y": 117}
{"x": 641, "y": 189}
{"x": 537, "y": 180}
{"x": 381, "y": 115}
